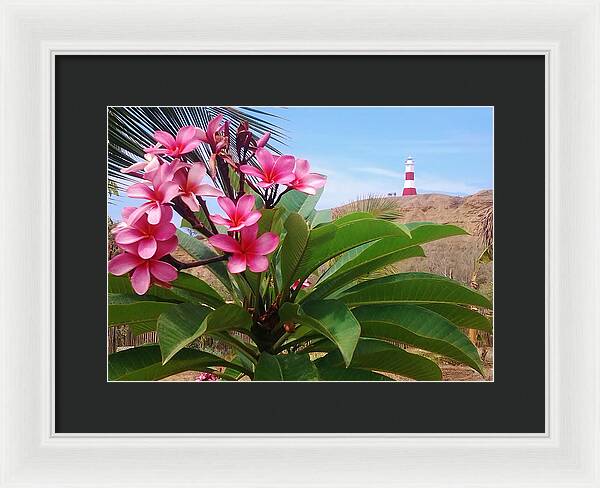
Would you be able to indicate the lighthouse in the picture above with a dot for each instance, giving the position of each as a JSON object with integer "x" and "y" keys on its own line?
{"x": 409, "y": 178}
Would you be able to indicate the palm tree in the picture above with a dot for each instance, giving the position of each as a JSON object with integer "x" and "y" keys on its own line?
{"x": 130, "y": 130}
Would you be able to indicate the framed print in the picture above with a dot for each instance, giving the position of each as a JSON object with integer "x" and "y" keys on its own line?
{"x": 363, "y": 141}
{"x": 342, "y": 250}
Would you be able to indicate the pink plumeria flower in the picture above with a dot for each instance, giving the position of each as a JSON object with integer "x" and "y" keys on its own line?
{"x": 206, "y": 377}
{"x": 239, "y": 215}
{"x": 249, "y": 252}
{"x": 191, "y": 185}
{"x": 145, "y": 271}
{"x": 125, "y": 213}
{"x": 272, "y": 170}
{"x": 185, "y": 142}
{"x": 159, "y": 196}
{"x": 305, "y": 181}
{"x": 151, "y": 163}
{"x": 146, "y": 235}
{"x": 216, "y": 134}
{"x": 305, "y": 284}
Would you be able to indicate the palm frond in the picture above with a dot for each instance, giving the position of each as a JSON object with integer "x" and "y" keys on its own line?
{"x": 380, "y": 207}
{"x": 485, "y": 229}
{"x": 130, "y": 130}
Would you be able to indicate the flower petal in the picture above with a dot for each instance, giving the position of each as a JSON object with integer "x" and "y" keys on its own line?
{"x": 135, "y": 167}
{"x": 228, "y": 206}
{"x": 200, "y": 134}
{"x": 217, "y": 219}
{"x": 265, "y": 244}
{"x": 154, "y": 213}
{"x": 248, "y": 235}
{"x": 196, "y": 174}
{"x": 147, "y": 247}
{"x": 225, "y": 243}
{"x": 236, "y": 263}
{"x": 305, "y": 189}
{"x": 284, "y": 165}
{"x": 302, "y": 168}
{"x": 284, "y": 179}
{"x": 167, "y": 191}
{"x": 251, "y": 218}
{"x": 164, "y": 138}
{"x": 244, "y": 206}
{"x": 140, "y": 279}
{"x": 162, "y": 271}
{"x": 208, "y": 191}
{"x": 126, "y": 212}
{"x": 315, "y": 180}
{"x": 139, "y": 212}
{"x": 123, "y": 263}
{"x": 190, "y": 146}
{"x": 257, "y": 263}
{"x": 191, "y": 201}
{"x": 213, "y": 126}
{"x": 252, "y": 171}
{"x": 163, "y": 232}
{"x": 185, "y": 135}
{"x": 165, "y": 247}
{"x": 127, "y": 236}
{"x": 265, "y": 159}
{"x": 166, "y": 214}
{"x": 140, "y": 190}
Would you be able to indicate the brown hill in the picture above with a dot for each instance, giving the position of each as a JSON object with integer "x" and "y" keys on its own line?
{"x": 454, "y": 256}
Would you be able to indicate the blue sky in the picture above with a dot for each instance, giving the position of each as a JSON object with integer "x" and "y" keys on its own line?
{"x": 362, "y": 150}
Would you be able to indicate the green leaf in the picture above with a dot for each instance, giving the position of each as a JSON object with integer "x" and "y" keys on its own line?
{"x": 418, "y": 327}
{"x": 122, "y": 285}
{"x": 293, "y": 248}
{"x": 328, "y": 241}
{"x": 140, "y": 316}
{"x": 320, "y": 217}
{"x": 419, "y": 232}
{"x": 330, "y": 318}
{"x": 301, "y": 203}
{"x": 239, "y": 360}
{"x": 191, "y": 288}
{"x": 127, "y": 298}
{"x": 353, "y": 216}
{"x": 416, "y": 288}
{"x": 285, "y": 367}
{"x": 198, "y": 250}
{"x": 181, "y": 325}
{"x": 144, "y": 363}
{"x": 382, "y": 253}
{"x": 376, "y": 355}
{"x": 461, "y": 316}
{"x": 201, "y": 216}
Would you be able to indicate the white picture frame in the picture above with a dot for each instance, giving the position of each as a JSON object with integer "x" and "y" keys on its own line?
{"x": 565, "y": 32}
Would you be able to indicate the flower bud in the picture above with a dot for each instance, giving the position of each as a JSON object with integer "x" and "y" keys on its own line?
{"x": 289, "y": 327}
{"x": 243, "y": 136}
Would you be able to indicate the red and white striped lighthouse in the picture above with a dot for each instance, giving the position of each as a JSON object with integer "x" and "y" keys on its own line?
{"x": 409, "y": 178}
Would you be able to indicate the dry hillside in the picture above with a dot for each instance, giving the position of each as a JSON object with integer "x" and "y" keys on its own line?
{"x": 454, "y": 255}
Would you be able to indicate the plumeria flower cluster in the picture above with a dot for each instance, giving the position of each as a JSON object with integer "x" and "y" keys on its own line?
{"x": 172, "y": 181}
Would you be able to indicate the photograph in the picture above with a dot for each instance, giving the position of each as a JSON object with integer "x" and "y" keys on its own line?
{"x": 300, "y": 243}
